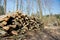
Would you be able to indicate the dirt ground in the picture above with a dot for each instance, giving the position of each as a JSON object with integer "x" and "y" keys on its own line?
{"x": 52, "y": 33}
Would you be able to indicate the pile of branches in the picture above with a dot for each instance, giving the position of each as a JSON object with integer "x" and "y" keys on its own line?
{"x": 18, "y": 23}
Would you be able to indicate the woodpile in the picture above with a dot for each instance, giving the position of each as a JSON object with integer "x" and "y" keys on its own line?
{"x": 18, "y": 23}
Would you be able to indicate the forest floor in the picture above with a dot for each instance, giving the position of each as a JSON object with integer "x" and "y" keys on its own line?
{"x": 48, "y": 33}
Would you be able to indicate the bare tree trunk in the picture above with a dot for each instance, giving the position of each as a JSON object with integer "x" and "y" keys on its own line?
{"x": 32, "y": 7}
{"x": 48, "y": 4}
{"x": 16, "y": 5}
{"x": 13, "y": 5}
{"x": 5, "y": 6}
{"x": 40, "y": 8}
{"x": 21, "y": 5}
{"x": 28, "y": 4}
{"x": 50, "y": 15}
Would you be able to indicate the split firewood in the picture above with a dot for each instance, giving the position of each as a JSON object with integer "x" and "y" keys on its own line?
{"x": 24, "y": 15}
{"x": 14, "y": 32}
{"x": 8, "y": 16}
{"x": 18, "y": 21}
{"x": 13, "y": 26}
{"x": 3, "y": 33}
{"x": 22, "y": 19}
{"x": 19, "y": 14}
{"x": 1, "y": 25}
{"x": 1, "y": 19}
{"x": 6, "y": 28}
{"x": 24, "y": 29}
{"x": 4, "y": 23}
{"x": 32, "y": 20}
{"x": 6, "y": 19}
{"x": 14, "y": 21}
{"x": 13, "y": 16}
{"x": 26, "y": 18}
{"x": 19, "y": 17}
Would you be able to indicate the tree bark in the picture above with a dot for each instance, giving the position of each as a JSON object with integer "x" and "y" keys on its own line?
{"x": 28, "y": 4}
{"x": 40, "y": 8}
{"x": 5, "y": 6}
{"x": 16, "y": 5}
{"x": 21, "y": 5}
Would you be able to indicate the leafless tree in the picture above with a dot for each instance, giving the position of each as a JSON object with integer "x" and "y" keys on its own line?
{"x": 16, "y": 4}
{"x": 21, "y": 5}
{"x": 48, "y": 4}
{"x": 40, "y": 7}
{"x": 28, "y": 7}
{"x": 32, "y": 6}
{"x": 5, "y": 6}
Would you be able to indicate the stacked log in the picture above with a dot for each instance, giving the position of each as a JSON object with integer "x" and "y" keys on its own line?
{"x": 18, "y": 23}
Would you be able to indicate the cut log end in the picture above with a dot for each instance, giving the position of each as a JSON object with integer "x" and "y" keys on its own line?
{"x": 6, "y": 28}
{"x": 14, "y": 32}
